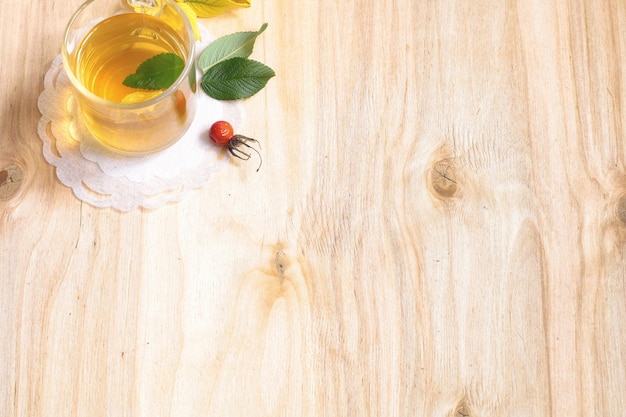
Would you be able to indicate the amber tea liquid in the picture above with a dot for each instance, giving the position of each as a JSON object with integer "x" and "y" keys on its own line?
{"x": 109, "y": 52}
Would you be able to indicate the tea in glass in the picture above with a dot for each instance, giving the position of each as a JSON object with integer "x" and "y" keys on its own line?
{"x": 102, "y": 47}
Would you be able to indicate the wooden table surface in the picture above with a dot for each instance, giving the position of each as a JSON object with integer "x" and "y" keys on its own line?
{"x": 438, "y": 228}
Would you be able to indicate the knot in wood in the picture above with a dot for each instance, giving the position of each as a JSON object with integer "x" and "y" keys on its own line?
{"x": 10, "y": 181}
{"x": 462, "y": 410}
{"x": 281, "y": 263}
{"x": 443, "y": 178}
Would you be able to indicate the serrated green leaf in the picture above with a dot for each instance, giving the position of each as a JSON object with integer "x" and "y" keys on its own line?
{"x": 235, "y": 45}
{"x": 156, "y": 73}
{"x": 212, "y": 8}
{"x": 235, "y": 78}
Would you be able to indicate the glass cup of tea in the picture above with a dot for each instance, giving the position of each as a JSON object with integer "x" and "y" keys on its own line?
{"x": 105, "y": 42}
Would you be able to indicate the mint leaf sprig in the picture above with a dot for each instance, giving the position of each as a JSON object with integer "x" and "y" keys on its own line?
{"x": 235, "y": 78}
{"x": 156, "y": 73}
{"x": 228, "y": 74}
{"x": 240, "y": 44}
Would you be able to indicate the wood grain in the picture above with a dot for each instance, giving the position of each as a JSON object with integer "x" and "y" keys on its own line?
{"x": 438, "y": 228}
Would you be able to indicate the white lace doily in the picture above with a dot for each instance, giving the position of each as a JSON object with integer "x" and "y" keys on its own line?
{"x": 106, "y": 179}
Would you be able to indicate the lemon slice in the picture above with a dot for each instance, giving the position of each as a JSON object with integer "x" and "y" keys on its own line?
{"x": 139, "y": 96}
{"x": 192, "y": 16}
{"x": 175, "y": 21}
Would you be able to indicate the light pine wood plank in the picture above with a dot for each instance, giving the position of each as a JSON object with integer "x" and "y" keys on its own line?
{"x": 438, "y": 227}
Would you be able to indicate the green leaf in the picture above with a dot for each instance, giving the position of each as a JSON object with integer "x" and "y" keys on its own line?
{"x": 156, "y": 73}
{"x": 238, "y": 44}
{"x": 235, "y": 78}
{"x": 212, "y": 8}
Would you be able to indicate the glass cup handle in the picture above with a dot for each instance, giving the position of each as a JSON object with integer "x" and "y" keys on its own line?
{"x": 151, "y": 7}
